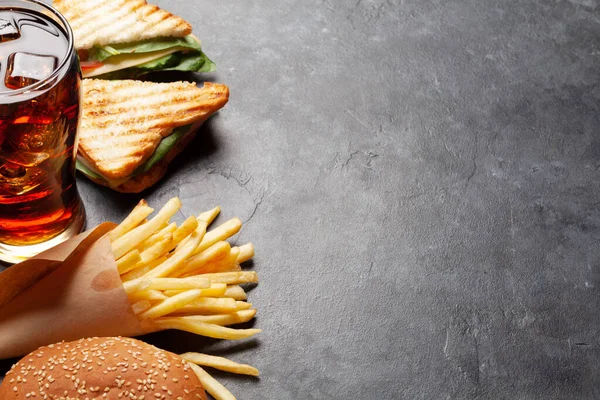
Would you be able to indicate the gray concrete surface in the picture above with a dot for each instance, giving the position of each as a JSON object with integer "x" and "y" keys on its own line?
{"x": 421, "y": 180}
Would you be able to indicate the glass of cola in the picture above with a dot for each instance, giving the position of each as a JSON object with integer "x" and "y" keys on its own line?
{"x": 40, "y": 81}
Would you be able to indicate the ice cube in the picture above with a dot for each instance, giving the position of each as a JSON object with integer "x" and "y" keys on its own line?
{"x": 25, "y": 69}
{"x": 21, "y": 150}
{"x": 17, "y": 180}
{"x": 8, "y": 30}
{"x": 11, "y": 171}
{"x": 30, "y": 144}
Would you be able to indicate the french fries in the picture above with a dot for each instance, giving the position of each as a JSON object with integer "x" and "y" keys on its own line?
{"x": 187, "y": 278}
{"x": 156, "y": 250}
{"x": 205, "y": 329}
{"x": 148, "y": 295}
{"x": 209, "y": 305}
{"x": 143, "y": 270}
{"x": 215, "y": 290}
{"x": 195, "y": 264}
{"x": 139, "y": 214}
{"x": 122, "y": 244}
{"x": 234, "y": 278}
{"x": 170, "y": 304}
{"x": 178, "y": 257}
{"x": 235, "y": 292}
{"x": 210, "y": 215}
{"x": 238, "y": 317}
{"x": 161, "y": 235}
{"x": 140, "y": 306}
{"x": 196, "y": 282}
{"x": 136, "y": 285}
{"x": 129, "y": 261}
{"x": 221, "y": 232}
{"x": 246, "y": 253}
{"x": 220, "y": 363}
{"x": 211, "y": 385}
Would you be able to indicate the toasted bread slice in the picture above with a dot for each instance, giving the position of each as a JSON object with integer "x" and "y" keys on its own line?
{"x": 103, "y": 22}
{"x": 143, "y": 181}
{"x": 123, "y": 122}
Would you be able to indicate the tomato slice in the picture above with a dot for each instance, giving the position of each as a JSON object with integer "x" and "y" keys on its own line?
{"x": 91, "y": 64}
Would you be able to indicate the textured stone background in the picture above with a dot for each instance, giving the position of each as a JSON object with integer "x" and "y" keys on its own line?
{"x": 421, "y": 180}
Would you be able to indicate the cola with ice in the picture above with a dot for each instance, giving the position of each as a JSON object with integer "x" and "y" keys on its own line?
{"x": 39, "y": 111}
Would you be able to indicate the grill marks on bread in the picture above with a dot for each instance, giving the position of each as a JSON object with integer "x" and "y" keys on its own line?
{"x": 103, "y": 22}
{"x": 124, "y": 121}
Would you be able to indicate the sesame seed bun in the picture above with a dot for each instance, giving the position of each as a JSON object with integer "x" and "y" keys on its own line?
{"x": 101, "y": 368}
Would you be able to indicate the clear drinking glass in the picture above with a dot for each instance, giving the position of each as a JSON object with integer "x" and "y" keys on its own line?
{"x": 40, "y": 79}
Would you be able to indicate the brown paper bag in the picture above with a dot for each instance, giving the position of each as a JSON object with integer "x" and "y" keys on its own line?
{"x": 68, "y": 292}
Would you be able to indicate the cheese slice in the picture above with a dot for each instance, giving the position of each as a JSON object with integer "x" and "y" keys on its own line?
{"x": 113, "y": 183}
{"x": 123, "y": 61}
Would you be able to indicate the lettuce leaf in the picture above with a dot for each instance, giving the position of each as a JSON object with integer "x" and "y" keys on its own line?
{"x": 173, "y": 62}
{"x": 192, "y": 62}
{"x": 101, "y": 53}
{"x": 192, "y": 59}
{"x": 195, "y": 61}
{"x": 164, "y": 147}
{"x": 86, "y": 171}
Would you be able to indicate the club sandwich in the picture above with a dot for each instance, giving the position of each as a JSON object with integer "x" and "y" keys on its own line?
{"x": 122, "y": 39}
{"x": 130, "y": 130}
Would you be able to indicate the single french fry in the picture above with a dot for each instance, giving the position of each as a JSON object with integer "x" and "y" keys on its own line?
{"x": 137, "y": 235}
{"x": 143, "y": 270}
{"x": 233, "y": 278}
{"x": 197, "y": 262}
{"x": 212, "y": 386}
{"x": 187, "y": 227}
{"x": 148, "y": 295}
{"x": 238, "y": 317}
{"x": 178, "y": 258}
{"x": 135, "y": 217}
{"x": 196, "y": 282}
{"x": 221, "y": 232}
{"x": 246, "y": 253}
{"x": 170, "y": 293}
{"x": 204, "y": 329}
{"x": 170, "y": 305}
{"x": 220, "y": 363}
{"x": 233, "y": 254}
{"x": 128, "y": 262}
{"x": 210, "y": 215}
{"x": 215, "y": 290}
{"x": 209, "y": 305}
{"x": 140, "y": 306}
{"x": 136, "y": 285}
{"x": 235, "y": 292}
{"x": 242, "y": 305}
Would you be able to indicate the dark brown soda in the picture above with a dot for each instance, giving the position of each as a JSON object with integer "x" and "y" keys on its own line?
{"x": 38, "y": 194}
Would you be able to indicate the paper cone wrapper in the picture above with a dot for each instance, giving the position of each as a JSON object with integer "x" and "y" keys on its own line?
{"x": 69, "y": 292}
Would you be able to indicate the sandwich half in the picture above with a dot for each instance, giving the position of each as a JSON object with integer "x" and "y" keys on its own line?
{"x": 120, "y": 39}
{"x": 130, "y": 131}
